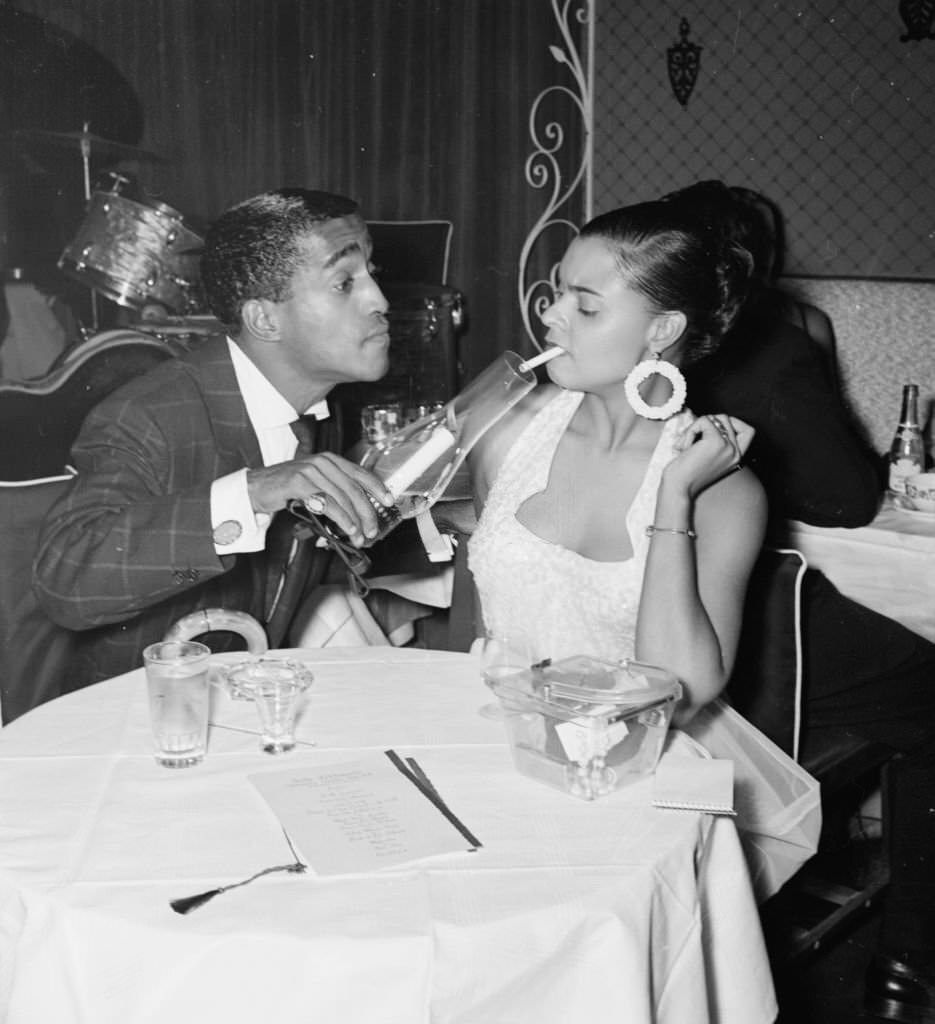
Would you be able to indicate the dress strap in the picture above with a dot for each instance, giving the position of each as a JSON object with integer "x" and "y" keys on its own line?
{"x": 525, "y": 470}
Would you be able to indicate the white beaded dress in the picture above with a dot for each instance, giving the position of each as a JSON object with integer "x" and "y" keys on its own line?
{"x": 565, "y": 603}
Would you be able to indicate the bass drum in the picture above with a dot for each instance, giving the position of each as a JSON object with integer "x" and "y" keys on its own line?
{"x": 40, "y": 419}
{"x": 136, "y": 253}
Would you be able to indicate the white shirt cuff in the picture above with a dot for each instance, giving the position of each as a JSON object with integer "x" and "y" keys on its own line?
{"x": 237, "y": 528}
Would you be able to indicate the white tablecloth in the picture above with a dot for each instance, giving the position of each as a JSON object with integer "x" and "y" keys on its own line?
{"x": 571, "y": 911}
{"x": 888, "y": 565}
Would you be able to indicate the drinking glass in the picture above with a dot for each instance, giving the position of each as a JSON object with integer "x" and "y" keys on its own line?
{"x": 503, "y": 654}
{"x": 277, "y": 687}
{"x": 177, "y": 681}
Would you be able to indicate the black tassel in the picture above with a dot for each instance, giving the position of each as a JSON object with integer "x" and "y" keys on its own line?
{"x": 189, "y": 903}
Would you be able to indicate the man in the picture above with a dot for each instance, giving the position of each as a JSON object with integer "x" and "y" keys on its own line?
{"x": 181, "y": 471}
{"x": 864, "y": 671}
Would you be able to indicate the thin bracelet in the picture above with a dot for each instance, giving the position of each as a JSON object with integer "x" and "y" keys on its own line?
{"x": 650, "y": 530}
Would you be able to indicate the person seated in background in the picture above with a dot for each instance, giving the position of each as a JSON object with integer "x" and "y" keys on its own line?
{"x": 783, "y": 381}
{"x": 863, "y": 671}
{"x": 181, "y": 471}
{"x": 611, "y": 522}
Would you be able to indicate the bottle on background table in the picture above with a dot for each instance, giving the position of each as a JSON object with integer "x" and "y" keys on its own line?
{"x": 907, "y": 452}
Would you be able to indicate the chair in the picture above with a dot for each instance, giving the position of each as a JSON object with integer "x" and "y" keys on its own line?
{"x": 411, "y": 251}
{"x": 767, "y": 687}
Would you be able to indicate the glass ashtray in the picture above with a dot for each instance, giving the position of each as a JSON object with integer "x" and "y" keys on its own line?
{"x": 587, "y": 726}
{"x": 242, "y": 678}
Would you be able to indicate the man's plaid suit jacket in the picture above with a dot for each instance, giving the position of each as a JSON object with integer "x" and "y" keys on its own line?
{"x": 128, "y": 550}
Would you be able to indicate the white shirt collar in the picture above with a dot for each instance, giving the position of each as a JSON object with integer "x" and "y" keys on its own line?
{"x": 266, "y": 407}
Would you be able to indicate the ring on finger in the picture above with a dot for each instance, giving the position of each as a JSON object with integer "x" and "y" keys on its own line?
{"x": 315, "y": 503}
{"x": 721, "y": 429}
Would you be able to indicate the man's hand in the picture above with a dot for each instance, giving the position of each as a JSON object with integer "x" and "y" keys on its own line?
{"x": 344, "y": 488}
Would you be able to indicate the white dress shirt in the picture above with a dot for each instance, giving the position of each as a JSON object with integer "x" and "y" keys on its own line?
{"x": 271, "y": 417}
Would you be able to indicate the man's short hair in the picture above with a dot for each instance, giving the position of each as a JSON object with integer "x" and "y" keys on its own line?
{"x": 253, "y": 249}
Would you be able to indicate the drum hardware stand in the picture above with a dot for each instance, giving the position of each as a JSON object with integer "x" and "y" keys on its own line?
{"x": 86, "y": 163}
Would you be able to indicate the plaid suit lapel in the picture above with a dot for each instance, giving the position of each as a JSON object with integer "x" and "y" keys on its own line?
{"x": 236, "y": 440}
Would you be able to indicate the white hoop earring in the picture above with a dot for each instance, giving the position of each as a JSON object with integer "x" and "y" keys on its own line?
{"x": 643, "y": 371}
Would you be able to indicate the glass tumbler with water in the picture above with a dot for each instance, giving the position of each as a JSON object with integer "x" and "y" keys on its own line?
{"x": 502, "y": 654}
{"x": 177, "y": 681}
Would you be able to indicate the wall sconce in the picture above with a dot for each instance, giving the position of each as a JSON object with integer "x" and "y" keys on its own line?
{"x": 683, "y": 60}
{"x": 918, "y": 16}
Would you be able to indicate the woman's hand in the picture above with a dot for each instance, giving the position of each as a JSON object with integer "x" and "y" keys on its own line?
{"x": 711, "y": 447}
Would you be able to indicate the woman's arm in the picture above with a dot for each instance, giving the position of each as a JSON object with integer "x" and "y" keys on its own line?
{"x": 691, "y": 606}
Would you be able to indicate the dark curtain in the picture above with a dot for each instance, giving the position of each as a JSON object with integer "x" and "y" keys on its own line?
{"x": 417, "y": 108}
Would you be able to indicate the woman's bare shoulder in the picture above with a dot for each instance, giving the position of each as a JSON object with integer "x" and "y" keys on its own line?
{"x": 490, "y": 451}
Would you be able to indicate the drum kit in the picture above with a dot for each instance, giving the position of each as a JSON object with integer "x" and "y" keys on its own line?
{"x": 130, "y": 248}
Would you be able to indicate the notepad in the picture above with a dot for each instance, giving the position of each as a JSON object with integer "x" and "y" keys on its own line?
{"x": 695, "y": 784}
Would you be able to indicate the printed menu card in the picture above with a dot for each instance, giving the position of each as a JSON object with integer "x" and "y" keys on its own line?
{"x": 357, "y": 816}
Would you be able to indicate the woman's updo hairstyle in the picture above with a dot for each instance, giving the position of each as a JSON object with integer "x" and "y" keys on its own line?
{"x": 678, "y": 264}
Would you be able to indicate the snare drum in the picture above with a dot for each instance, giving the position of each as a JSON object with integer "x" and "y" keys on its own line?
{"x": 135, "y": 252}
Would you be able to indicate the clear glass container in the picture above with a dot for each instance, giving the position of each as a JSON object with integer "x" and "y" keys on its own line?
{"x": 587, "y": 726}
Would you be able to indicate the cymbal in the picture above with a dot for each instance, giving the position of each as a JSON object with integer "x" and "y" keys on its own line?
{"x": 98, "y": 146}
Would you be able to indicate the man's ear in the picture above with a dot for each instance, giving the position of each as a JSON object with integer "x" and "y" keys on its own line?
{"x": 666, "y": 330}
{"x": 259, "y": 318}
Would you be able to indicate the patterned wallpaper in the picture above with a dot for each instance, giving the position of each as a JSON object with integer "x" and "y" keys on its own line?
{"x": 816, "y": 104}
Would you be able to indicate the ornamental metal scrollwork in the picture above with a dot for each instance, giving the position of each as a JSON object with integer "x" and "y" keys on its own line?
{"x": 543, "y": 169}
{"x": 683, "y": 60}
{"x": 918, "y": 16}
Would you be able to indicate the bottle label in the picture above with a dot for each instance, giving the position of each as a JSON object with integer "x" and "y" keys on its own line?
{"x": 899, "y": 470}
{"x": 441, "y": 441}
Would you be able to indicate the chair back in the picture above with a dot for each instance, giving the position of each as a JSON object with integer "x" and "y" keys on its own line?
{"x": 411, "y": 251}
{"x": 766, "y": 683}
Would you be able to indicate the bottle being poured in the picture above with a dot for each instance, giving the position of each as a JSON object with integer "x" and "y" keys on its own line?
{"x": 419, "y": 461}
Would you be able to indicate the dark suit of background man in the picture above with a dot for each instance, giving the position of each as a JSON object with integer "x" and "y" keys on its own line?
{"x": 181, "y": 470}
{"x": 863, "y": 672}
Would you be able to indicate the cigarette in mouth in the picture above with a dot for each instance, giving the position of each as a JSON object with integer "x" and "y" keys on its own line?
{"x": 543, "y": 357}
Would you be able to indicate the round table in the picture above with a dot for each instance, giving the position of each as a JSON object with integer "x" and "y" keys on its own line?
{"x": 604, "y": 911}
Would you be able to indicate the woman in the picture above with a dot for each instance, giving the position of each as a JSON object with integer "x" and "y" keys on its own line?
{"x": 610, "y": 523}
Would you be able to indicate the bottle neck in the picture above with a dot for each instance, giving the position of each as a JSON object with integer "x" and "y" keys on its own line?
{"x": 909, "y": 414}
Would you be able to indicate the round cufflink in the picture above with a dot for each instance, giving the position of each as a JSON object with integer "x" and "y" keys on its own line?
{"x": 227, "y": 532}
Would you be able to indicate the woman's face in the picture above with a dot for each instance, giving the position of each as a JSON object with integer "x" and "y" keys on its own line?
{"x": 603, "y": 325}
